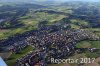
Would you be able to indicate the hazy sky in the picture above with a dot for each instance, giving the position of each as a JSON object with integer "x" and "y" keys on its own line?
{"x": 47, "y": 0}
{"x": 79, "y": 0}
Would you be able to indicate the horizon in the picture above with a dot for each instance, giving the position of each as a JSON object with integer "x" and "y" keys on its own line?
{"x": 48, "y": 0}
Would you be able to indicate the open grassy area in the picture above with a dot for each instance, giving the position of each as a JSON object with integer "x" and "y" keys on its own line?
{"x": 77, "y": 23}
{"x": 95, "y": 44}
{"x": 88, "y": 44}
{"x": 94, "y": 29}
{"x": 75, "y": 26}
{"x": 2, "y": 32}
{"x": 12, "y": 32}
{"x": 80, "y": 22}
{"x": 12, "y": 59}
{"x": 42, "y": 16}
{"x": 92, "y": 55}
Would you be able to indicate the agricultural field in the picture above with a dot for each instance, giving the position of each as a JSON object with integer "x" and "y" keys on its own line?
{"x": 12, "y": 59}
{"x": 88, "y": 44}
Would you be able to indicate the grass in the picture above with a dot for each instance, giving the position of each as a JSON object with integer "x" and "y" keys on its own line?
{"x": 75, "y": 26}
{"x": 11, "y": 32}
{"x": 56, "y": 19}
{"x": 12, "y": 59}
{"x": 98, "y": 34}
{"x": 88, "y": 44}
{"x": 5, "y": 55}
{"x": 2, "y": 33}
{"x": 95, "y": 44}
{"x": 77, "y": 21}
{"x": 83, "y": 44}
{"x": 92, "y": 55}
{"x": 95, "y": 30}
{"x": 30, "y": 22}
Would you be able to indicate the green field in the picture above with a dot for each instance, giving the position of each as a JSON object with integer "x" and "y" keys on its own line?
{"x": 30, "y": 22}
{"x": 12, "y": 59}
{"x": 88, "y": 44}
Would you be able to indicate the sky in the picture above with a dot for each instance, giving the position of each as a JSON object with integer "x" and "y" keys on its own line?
{"x": 82, "y": 0}
{"x": 46, "y": 0}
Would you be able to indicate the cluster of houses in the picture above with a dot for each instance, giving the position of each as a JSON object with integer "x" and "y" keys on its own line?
{"x": 34, "y": 58}
{"x": 50, "y": 43}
